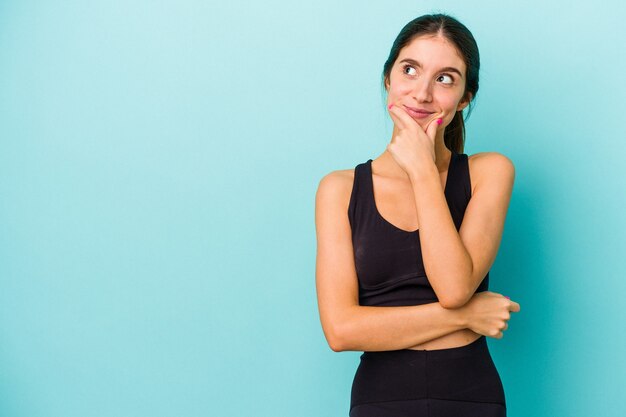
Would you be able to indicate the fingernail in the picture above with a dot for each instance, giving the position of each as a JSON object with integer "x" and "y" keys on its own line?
{"x": 390, "y": 106}
{"x": 439, "y": 121}
{"x": 508, "y": 297}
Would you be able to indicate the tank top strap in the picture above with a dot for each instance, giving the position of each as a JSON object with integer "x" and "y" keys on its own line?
{"x": 362, "y": 189}
{"x": 458, "y": 183}
{"x": 458, "y": 187}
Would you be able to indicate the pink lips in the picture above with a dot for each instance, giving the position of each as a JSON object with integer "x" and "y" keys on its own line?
{"x": 418, "y": 113}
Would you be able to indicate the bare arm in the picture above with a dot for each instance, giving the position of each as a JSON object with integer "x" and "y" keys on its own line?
{"x": 346, "y": 324}
{"x": 457, "y": 262}
{"x": 389, "y": 328}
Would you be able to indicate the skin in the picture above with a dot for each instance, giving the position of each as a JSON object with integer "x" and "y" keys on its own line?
{"x": 413, "y": 143}
{"x": 409, "y": 180}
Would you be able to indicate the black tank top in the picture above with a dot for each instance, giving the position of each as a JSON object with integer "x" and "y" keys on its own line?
{"x": 388, "y": 259}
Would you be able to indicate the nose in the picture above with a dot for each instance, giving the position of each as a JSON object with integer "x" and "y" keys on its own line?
{"x": 422, "y": 90}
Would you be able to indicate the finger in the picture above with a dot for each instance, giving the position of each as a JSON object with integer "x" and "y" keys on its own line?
{"x": 400, "y": 117}
{"x": 410, "y": 121}
{"x": 431, "y": 130}
{"x": 401, "y": 124}
{"x": 514, "y": 307}
{"x": 405, "y": 119}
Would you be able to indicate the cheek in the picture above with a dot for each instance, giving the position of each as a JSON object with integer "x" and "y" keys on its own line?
{"x": 449, "y": 104}
{"x": 400, "y": 89}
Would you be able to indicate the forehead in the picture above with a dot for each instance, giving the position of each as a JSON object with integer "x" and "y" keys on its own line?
{"x": 433, "y": 52}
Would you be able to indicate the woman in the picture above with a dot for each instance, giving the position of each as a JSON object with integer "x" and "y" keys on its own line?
{"x": 406, "y": 241}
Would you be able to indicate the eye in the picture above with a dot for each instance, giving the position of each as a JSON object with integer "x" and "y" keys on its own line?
{"x": 410, "y": 67}
{"x": 449, "y": 76}
{"x": 404, "y": 68}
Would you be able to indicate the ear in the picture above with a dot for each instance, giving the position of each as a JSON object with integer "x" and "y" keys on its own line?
{"x": 464, "y": 103}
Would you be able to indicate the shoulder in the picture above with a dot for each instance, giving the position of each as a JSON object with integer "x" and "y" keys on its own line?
{"x": 492, "y": 162}
{"x": 490, "y": 167}
{"x": 335, "y": 187}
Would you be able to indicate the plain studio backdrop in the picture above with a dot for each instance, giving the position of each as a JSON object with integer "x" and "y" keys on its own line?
{"x": 158, "y": 167}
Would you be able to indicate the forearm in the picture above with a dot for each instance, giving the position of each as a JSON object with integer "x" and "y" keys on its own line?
{"x": 391, "y": 328}
{"x": 446, "y": 260}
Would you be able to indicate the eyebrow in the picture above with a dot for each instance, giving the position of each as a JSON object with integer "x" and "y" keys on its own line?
{"x": 417, "y": 64}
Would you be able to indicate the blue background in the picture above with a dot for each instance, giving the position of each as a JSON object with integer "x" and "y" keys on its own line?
{"x": 158, "y": 167}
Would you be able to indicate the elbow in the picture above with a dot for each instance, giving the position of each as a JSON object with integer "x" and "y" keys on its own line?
{"x": 338, "y": 344}
{"x": 452, "y": 301}
{"x": 335, "y": 345}
{"x": 456, "y": 296}
{"x": 341, "y": 332}
{"x": 335, "y": 340}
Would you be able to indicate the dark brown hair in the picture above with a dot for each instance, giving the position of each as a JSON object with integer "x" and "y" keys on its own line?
{"x": 456, "y": 33}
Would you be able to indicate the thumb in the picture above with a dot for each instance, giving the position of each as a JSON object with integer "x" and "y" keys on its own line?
{"x": 431, "y": 131}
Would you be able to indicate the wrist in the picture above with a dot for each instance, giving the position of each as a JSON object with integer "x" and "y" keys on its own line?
{"x": 462, "y": 317}
{"x": 423, "y": 172}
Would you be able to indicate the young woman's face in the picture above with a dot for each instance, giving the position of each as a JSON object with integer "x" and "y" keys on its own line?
{"x": 424, "y": 77}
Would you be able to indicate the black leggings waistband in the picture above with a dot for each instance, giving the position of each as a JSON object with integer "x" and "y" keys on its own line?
{"x": 464, "y": 373}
